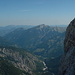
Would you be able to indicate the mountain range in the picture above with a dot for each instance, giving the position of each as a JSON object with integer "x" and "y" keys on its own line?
{"x": 39, "y": 39}
{"x": 9, "y": 28}
{"x": 41, "y": 43}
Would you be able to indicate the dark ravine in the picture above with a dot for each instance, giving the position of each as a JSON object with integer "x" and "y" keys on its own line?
{"x": 68, "y": 60}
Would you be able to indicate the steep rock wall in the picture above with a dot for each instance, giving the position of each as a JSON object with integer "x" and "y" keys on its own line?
{"x": 68, "y": 60}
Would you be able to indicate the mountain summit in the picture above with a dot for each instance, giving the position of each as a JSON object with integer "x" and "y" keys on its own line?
{"x": 42, "y": 26}
{"x": 68, "y": 61}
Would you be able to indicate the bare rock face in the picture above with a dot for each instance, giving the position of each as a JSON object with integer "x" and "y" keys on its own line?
{"x": 22, "y": 60}
{"x": 70, "y": 36}
{"x": 68, "y": 60}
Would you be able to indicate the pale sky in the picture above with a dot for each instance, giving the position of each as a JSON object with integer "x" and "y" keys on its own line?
{"x": 35, "y": 12}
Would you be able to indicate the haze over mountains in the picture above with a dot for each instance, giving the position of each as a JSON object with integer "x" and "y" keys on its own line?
{"x": 40, "y": 37}
{"x": 9, "y": 28}
{"x": 28, "y": 46}
{"x": 43, "y": 43}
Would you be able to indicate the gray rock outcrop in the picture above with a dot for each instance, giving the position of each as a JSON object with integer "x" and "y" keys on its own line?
{"x": 68, "y": 60}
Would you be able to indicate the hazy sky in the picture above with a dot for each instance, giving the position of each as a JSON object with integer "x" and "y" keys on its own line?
{"x": 35, "y": 12}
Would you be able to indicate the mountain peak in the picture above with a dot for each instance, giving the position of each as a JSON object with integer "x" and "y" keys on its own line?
{"x": 42, "y": 26}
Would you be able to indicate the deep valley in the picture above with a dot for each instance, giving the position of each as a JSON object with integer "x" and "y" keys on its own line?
{"x": 33, "y": 50}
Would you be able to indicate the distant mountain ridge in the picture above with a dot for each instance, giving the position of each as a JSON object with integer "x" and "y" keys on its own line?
{"x": 37, "y": 37}
{"x": 43, "y": 41}
{"x": 35, "y": 31}
{"x": 9, "y": 28}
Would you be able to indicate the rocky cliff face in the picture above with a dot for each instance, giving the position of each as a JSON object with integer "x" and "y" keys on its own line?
{"x": 22, "y": 60}
{"x": 68, "y": 60}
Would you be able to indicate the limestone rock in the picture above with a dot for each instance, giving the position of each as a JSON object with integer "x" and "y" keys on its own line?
{"x": 68, "y": 60}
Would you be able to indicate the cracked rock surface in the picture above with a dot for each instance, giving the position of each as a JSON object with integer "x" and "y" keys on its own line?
{"x": 68, "y": 60}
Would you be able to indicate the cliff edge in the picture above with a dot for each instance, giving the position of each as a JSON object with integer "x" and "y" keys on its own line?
{"x": 68, "y": 60}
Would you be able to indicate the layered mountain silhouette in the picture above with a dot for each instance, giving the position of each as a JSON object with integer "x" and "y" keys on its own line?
{"x": 42, "y": 40}
{"x": 7, "y": 29}
{"x": 37, "y": 49}
{"x": 39, "y": 39}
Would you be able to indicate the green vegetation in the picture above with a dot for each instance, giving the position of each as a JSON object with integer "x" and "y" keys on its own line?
{"x": 6, "y": 68}
{"x": 29, "y": 46}
{"x": 41, "y": 40}
{"x": 22, "y": 59}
